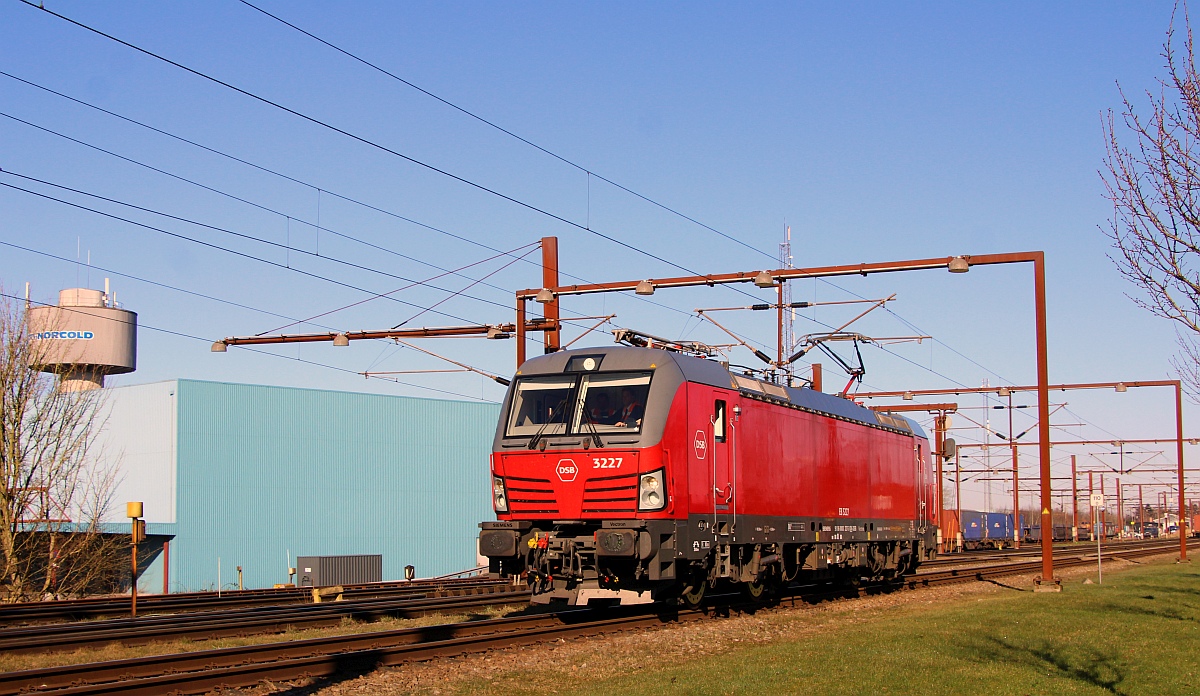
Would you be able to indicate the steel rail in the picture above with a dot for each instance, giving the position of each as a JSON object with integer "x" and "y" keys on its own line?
{"x": 219, "y": 624}
{"x": 1061, "y": 549}
{"x": 202, "y": 671}
{"x": 97, "y": 608}
{"x": 955, "y": 575}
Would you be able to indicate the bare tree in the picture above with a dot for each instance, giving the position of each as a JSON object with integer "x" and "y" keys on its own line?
{"x": 1152, "y": 177}
{"x": 53, "y": 489}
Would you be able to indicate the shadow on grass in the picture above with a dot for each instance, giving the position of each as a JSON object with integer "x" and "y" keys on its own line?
{"x": 1166, "y": 589}
{"x": 997, "y": 583}
{"x": 1161, "y": 613}
{"x": 1089, "y": 666}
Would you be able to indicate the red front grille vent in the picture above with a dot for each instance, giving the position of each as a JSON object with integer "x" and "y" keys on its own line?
{"x": 611, "y": 494}
{"x": 530, "y": 495}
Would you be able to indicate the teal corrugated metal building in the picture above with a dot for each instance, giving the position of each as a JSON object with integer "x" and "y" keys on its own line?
{"x": 253, "y": 473}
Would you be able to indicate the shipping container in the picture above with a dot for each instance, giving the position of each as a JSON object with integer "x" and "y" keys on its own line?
{"x": 986, "y": 529}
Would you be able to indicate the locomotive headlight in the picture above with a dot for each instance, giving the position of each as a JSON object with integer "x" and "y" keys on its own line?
{"x": 499, "y": 497}
{"x": 652, "y": 493}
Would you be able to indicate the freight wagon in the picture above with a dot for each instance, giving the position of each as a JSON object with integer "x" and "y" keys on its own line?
{"x": 1061, "y": 533}
{"x": 986, "y": 530}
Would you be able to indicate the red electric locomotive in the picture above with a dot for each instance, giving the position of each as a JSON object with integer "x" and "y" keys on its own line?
{"x": 639, "y": 474}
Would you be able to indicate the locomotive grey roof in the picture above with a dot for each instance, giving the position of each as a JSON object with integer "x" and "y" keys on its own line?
{"x": 713, "y": 373}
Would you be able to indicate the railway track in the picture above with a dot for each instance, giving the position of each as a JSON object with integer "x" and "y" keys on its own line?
{"x": 257, "y": 620}
{"x": 395, "y": 601}
{"x": 971, "y": 573}
{"x": 202, "y": 671}
{"x": 110, "y": 607}
{"x": 965, "y": 557}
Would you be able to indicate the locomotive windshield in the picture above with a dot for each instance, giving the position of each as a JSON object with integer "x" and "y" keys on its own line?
{"x": 613, "y": 402}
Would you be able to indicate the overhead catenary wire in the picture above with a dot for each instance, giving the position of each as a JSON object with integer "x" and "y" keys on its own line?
{"x": 260, "y": 240}
{"x": 943, "y": 345}
{"x": 252, "y": 350}
{"x": 259, "y": 206}
{"x": 287, "y": 266}
{"x": 314, "y": 187}
{"x": 253, "y": 165}
{"x": 185, "y": 291}
{"x": 591, "y": 173}
{"x": 391, "y": 292}
{"x": 375, "y": 295}
{"x": 364, "y": 140}
{"x": 444, "y": 172}
{"x": 156, "y": 283}
{"x": 227, "y": 250}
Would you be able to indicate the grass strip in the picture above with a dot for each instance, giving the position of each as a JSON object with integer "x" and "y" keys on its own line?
{"x": 1138, "y": 633}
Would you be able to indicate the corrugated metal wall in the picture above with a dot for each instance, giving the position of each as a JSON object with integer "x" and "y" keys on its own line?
{"x": 267, "y": 470}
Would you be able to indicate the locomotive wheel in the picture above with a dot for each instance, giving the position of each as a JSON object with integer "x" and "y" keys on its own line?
{"x": 693, "y": 595}
{"x": 755, "y": 590}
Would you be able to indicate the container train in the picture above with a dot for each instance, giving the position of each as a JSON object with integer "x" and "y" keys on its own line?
{"x": 986, "y": 530}
{"x": 1061, "y": 532}
{"x": 635, "y": 474}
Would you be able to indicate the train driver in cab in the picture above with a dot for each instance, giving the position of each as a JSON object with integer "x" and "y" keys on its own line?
{"x": 631, "y": 410}
{"x": 602, "y": 412}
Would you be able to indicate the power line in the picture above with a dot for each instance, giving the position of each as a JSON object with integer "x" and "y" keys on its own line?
{"x": 174, "y": 288}
{"x": 481, "y": 187}
{"x": 246, "y": 201}
{"x": 221, "y": 248}
{"x": 422, "y": 309}
{"x": 156, "y": 283}
{"x": 314, "y": 187}
{"x": 374, "y": 295}
{"x": 253, "y": 350}
{"x": 253, "y": 165}
{"x": 580, "y": 167}
{"x": 500, "y": 128}
{"x": 334, "y": 259}
{"x": 361, "y": 139}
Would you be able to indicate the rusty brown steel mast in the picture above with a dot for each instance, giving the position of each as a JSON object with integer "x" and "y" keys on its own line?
{"x": 955, "y": 264}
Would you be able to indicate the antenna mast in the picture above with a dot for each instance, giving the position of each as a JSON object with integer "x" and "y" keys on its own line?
{"x": 788, "y": 315}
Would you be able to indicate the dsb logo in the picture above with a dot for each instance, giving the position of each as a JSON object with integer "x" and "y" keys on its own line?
{"x": 566, "y": 470}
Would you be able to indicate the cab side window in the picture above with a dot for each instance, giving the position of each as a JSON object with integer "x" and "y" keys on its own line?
{"x": 719, "y": 420}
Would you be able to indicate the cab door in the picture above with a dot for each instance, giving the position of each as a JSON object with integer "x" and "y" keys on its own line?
{"x": 724, "y": 478}
{"x": 922, "y": 481}
{"x": 712, "y": 482}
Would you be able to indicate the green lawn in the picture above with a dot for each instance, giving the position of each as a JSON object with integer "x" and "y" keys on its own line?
{"x": 1139, "y": 633}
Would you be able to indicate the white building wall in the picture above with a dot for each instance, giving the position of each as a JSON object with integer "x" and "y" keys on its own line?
{"x": 138, "y": 438}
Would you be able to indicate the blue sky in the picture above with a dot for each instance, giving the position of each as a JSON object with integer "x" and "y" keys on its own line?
{"x": 877, "y": 132}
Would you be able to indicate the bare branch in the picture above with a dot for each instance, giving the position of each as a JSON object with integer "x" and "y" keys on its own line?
{"x": 53, "y": 490}
{"x": 1151, "y": 176}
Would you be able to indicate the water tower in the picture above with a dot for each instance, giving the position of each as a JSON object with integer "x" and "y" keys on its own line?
{"x": 84, "y": 338}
